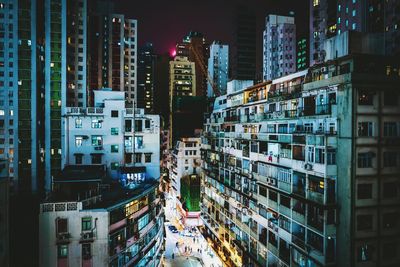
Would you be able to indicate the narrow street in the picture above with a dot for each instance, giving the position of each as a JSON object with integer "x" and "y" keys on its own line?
{"x": 186, "y": 248}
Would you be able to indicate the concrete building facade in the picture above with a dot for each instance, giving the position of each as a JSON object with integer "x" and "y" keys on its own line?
{"x": 301, "y": 171}
{"x": 111, "y": 134}
{"x": 279, "y": 47}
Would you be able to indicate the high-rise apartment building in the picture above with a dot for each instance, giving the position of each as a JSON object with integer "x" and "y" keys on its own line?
{"x": 77, "y": 28}
{"x": 35, "y": 54}
{"x": 195, "y": 49}
{"x": 392, "y": 27}
{"x": 243, "y": 49}
{"x": 113, "y": 53}
{"x": 146, "y": 78}
{"x": 4, "y": 214}
{"x": 218, "y": 64}
{"x": 303, "y": 170}
{"x": 279, "y": 47}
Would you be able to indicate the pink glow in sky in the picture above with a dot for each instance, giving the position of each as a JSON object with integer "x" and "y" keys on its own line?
{"x": 173, "y": 52}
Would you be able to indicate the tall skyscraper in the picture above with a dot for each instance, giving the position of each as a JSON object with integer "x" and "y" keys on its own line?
{"x": 113, "y": 49}
{"x": 186, "y": 108}
{"x": 218, "y": 64}
{"x": 146, "y": 76}
{"x": 195, "y": 49}
{"x": 279, "y": 47}
{"x": 323, "y": 18}
{"x": 243, "y": 50}
{"x": 77, "y": 28}
{"x": 392, "y": 27}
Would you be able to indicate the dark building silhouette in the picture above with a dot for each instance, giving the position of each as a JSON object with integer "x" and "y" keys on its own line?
{"x": 243, "y": 51}
{"x": 146, "y": 75}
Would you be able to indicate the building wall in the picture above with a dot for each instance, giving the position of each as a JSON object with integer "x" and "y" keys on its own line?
{"x": 293, "y": 175}
{"x": 279, "y": 47}
{"x": 4, "y": 215}
{"x": 48, "y": 239}
{"x": 218, "y": 64}
{"x": 185, "y": 160}
{"x": 115, "y": 131}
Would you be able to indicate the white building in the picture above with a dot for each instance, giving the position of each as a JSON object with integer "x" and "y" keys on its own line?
{"x": 279, "y": 47}
{"x": 111, "y": 134}
{"x": 218, "y": 63}
{"x": 185, "y": 160}
{"x": 119, "y": 229}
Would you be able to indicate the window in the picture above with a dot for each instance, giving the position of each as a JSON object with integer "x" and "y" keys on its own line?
{"x": 62, "y": 251}
{"x": 78, "y": 123}
{"x": 390, "y": 190}
{"x": 78, "y": 159}
{"x": 138, "y": 157}
{"x": 389, "y": 250}
{"x": 86, "y": 223}
{"x": 143, "y": 222}
{"x": 365, "y": 252}
{"x": 320, "y": 155}
{"x": 96, "y": 158}
{"x": 138, "y": 142}
{"x": 364, "y": 222}
{"x": 96, "y": 123}
{"x": 114, "y": 148}
{"x": 310, "y": 154}
{"x": 138, "y": 125}
{"x": 365, "y": 160}
{"x": 389, "y": 159}
{"x": 365, "y": 129}
{"x": 390, "y": 129}
{"x": 114, "y": 165}
{"x": 147, "y": 124}
{"x": 147, "y": 157}
{"x": 390, "y": 98}
{"x": 114, "y": 131}
{"x": 389, "y": 220}
{"x": 114, "y": 113}
{"x": 366, "y": 98}
{"x": 78, "y": 141}
{"x": 97, "y": 140}
{"x": 86, "y": 251}
{"x": 364, "y": 191}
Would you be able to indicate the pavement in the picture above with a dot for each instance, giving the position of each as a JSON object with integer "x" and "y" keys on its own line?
{"x": 197, "y": 253}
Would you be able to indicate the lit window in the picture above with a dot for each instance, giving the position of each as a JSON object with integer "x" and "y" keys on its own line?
{"x": 78, "y": 123}
{"x": 114, "y": 148}
{"x": 78, "y": 141}
{"x": 354, "y": 26}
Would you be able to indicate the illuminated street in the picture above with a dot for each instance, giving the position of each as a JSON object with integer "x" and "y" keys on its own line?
{"x": 201, "y": 253}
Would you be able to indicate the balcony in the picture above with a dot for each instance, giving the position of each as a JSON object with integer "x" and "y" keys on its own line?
{"x": 63, "y": 238}
{"x": 87, "y": 237}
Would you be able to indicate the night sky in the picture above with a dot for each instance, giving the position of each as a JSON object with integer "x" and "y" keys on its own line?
{"x": 165, "y": 22}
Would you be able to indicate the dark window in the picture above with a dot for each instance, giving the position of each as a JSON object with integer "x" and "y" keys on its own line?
{"x": 138, "y": 125}
{"x": 365, "y": 160}
{"x": 86, "y": 251}
{"x": 262, "y": 190}
{"x": 364, "y": 191}
{"x": 364, "y": 222}
{"x": 147, "y": 124}
{"x": 114, "y": 113}
{"x": 273, "y": 196}
{"x": 365, "y": 129}
{"x": 147, "y": 157}
{"x": 366, "y": 98}
{"x": 390, "y": 190}
{"x": 389, "y": 250}
{"x": 389, "y": 220}
{"x": 96, "y": 159}
{"x": 390, "y": 159}
{"x": 62, "y": 225}
{"x": 78, "y": 159}
{"x": 390, "y": 98}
